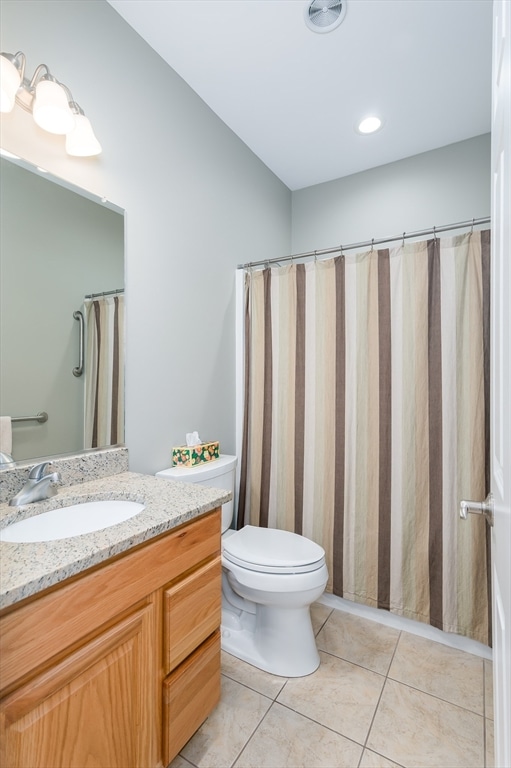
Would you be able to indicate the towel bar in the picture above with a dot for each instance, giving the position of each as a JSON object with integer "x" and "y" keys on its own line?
{"x": 41, "y": 418}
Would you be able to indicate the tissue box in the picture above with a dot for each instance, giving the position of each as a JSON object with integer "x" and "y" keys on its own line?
{"x": 191, "y": 455}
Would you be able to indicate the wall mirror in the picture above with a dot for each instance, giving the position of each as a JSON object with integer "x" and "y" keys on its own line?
{"x": 58, "y": 245}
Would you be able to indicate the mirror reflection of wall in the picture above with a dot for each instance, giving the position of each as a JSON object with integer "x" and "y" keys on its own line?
{"x": 56, "y": 247}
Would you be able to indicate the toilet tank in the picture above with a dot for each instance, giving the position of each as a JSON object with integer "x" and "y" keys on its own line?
{"x": 220, "y": 473}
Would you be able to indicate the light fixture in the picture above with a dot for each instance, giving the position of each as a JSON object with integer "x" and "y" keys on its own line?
{"x": 50, "y": 102}
{"x": 50, "y": 108}
{"x": 81, "y": 141}
{"x": 369, "y": 124}
{"x": 10, "y": 81}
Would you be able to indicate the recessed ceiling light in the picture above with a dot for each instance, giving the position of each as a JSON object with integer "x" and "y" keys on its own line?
{"x": 369, "y": 125}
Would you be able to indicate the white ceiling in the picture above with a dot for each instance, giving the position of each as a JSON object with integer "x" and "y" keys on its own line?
{"x": 294, "y": 96}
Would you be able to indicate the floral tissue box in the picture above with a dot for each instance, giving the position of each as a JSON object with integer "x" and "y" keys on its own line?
{"x": 191, "y": 455}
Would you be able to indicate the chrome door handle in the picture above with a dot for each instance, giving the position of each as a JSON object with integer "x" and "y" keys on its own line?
{"x": 478, "y": 508}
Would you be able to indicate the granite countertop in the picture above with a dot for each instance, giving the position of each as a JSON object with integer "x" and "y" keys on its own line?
{"x": 26, "y": 569}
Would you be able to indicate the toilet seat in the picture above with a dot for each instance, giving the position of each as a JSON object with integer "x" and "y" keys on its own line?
{"x": 269, "y": 550}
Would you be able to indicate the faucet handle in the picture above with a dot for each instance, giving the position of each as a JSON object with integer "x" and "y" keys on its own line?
{"x": 37, "y": 472}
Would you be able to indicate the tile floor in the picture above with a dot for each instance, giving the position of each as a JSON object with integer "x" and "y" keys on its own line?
{"x": 381, "y": 698}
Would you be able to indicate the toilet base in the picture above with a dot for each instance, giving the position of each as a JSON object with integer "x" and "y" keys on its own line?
{"x": 280, "y": 641}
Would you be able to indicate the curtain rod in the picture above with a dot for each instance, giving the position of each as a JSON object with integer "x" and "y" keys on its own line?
{"x": 104, "y": 293}
{"x": 366, "y": 243}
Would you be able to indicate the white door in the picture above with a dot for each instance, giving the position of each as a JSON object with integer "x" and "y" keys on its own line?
{"x": 501, "y": 379}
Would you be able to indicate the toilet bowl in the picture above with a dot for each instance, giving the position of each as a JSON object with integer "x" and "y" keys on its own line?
{"x": 269, "y": 580}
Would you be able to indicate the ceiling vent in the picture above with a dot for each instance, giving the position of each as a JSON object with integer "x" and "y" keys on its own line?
{"x": 324, "y": 15}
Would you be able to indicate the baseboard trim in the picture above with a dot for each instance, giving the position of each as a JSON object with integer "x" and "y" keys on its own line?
{"x": 407, "y": 625}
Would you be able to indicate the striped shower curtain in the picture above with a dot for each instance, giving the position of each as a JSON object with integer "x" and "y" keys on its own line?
{"x": 367, "y": 420}
{"x": 104, "y": 371}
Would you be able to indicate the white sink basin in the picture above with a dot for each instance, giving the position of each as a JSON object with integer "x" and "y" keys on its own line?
{"x": 66, "y": 522}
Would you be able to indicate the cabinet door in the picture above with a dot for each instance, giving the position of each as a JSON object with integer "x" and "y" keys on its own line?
{"x": 80, "y": 713}
{"x": 192, "y": 611}
{"x": 189, "y": 695}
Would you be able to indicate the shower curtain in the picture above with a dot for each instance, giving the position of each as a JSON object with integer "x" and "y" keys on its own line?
{"x": 366, "y": 421}
{"x": 104, "y": 371}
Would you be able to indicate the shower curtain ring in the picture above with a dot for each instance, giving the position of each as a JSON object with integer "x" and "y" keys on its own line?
{"x": 372, "y": 244}
{"x": 403, "y": 243}
{"x": 315, "y": 257}
{"x": 434, "y": 233}
{"x": 472, "y": 229}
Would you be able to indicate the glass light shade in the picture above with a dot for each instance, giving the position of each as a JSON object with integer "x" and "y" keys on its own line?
{"x": 10, "y": 80}
{"x": 51, "y": 109}
{"x": 81, "y": 141}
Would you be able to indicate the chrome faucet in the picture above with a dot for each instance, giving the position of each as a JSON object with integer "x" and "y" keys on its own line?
{"x": 38, "y": 486}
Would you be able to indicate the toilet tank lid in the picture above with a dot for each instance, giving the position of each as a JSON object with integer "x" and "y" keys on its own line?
{"x": 201, "y": 472}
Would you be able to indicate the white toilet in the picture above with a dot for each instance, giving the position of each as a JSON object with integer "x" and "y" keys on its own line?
{"x": 270, "y": 578}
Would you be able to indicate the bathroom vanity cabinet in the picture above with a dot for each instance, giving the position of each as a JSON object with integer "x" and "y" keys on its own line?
{"x": 118, "y": 666}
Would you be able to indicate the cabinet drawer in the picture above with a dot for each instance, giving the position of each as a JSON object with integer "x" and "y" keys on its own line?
{"x": 189, "y": 695}
{"x": 192, "y": 611}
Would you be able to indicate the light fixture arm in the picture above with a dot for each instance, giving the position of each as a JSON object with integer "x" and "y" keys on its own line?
{"x": 42, "y": 73}
{"x": 18, "y": 60}
{"x": 26, "y": 91}
{"x": 75, "y": 108}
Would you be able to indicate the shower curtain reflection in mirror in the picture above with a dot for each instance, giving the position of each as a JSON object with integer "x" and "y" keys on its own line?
{"x": 104, "y": 371}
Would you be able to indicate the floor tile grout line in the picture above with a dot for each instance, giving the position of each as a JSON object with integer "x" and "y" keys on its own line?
{"x": 354, "y": 663}
{"x": 184, "y": 758}
{"x": 323, "y": 624}
{"x": 272, "y": 702}
{"x": 251, "y": 735}
{"x": 380, "y": 697}
{"x": 435, "y": 696}
{"x": 374, "y": 715}
{"x": 255, "y": 690}
{"x": 317, "y": 722}
{"x": 375, "y": 751}
{"x": 394, "y": 653}
{"x": 264, "y": 695}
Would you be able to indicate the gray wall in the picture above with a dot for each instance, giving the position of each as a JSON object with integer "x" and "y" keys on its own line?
{"x": 431, "y": 189}
{"x": 197, "y": 203}
{"x": 55, "y": 247}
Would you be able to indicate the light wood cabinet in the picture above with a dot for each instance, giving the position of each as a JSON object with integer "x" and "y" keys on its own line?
{"x": 192, "y": 609}
{"x": 117, "y": 667}
{"x": 189, "y": 695}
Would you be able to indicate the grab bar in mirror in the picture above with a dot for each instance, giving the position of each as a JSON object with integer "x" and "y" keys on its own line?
{"x": 79, "y": 368}
{"x": 41, "y": 418}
